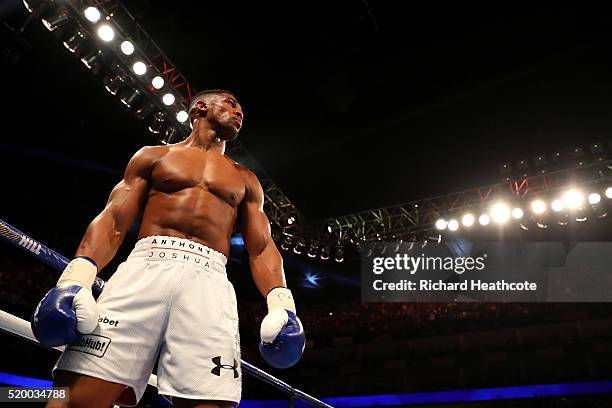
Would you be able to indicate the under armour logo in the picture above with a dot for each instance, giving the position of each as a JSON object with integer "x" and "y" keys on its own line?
{"x": 218, "y": 366}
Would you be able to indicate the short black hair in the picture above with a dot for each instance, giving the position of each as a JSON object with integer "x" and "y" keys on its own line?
{"x": 204, "y": 95}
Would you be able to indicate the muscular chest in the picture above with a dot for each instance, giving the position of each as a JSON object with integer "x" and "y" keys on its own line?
{"x": 181, "y": 170}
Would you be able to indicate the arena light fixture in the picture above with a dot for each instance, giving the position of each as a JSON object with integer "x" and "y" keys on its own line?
{"x": 324, "y": 253}
{"x": 157, "y": 82}
{"x": 114, "y": 83}
{"x": 500, "y": 213}
{"x": 339, "y": 254}
{"x": 130, "y": 98}
{"x": 92, "y": 14}
{"x": 93, "y": 61}
{"x": 538, "y": 206}
{"x": 286, "y": 244}
{"x": 299, "y": 247}
{"x": 312, "y": 250}
{"x": 608, "y": 192}
{"x": 557, "y": 205}
{"x": 76, "y": 43}
{"x": 127, "y": 47}
{"x": 453, "y": 225}
{"x": 106, "y": 32}
{"x": 441, "y": 224}
{"x": 140, "y": 68}
{"x": 158, "y": 122}
{"x": 467, "y": 220}
{"x": 573, "y": 199}
{"x": 182, "y": 116}
{"x": 484, "y": 219}
{"x": 168, "y": 99}
{"x": 517, "y": 213}
{"x": 169, "y": 135}
{"x": 594, "y": 198}
{"x": 55, "y": 21}
{"x": 144, "y": 111}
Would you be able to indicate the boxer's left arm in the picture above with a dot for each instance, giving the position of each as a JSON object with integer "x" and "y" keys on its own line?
{"x": 264, "y": 258}
{"x": 282, "y": 334}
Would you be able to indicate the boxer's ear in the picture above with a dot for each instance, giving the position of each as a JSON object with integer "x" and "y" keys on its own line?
{"x": 199, "y": 110}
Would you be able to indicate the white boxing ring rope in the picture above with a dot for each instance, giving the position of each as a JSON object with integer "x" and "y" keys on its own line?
{"x": 21, "y": 328}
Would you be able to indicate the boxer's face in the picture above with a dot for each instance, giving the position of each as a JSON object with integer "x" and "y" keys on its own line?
{"x": 225, "y": 113}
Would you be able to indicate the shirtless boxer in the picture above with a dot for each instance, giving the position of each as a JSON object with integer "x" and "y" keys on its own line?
{"x": 171, "y": 296}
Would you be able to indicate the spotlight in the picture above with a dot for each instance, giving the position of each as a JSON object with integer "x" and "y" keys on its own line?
{"x": 182, "y": 116}
{"x": 106, "y": 33}
{"x": 573, "y": 199}
{"x": 484, "y": 219}
{"x": 144, "y": 111}
{"x": 608, "y": 192}
{"x": 168, "y": 99}
{"x": 169, "y": 136}
{"x": 517, "y": 213}
{"x": 93, "y": 61}
{"x": 594, "y": 198}
{"x": 500, "y": 213}
{"x": 92, "y": 14}
{"x": 538, "y": 206}
{"x": 113, "y": 83}
{"x": 541, "y": 225}
{"x": 563, "y": 219}
{"x": 312, "y": 251}
{"x": 299, "y": 247}
{"x": 140, "y": 68}
{"x": 127, "y": 47}
{"x": 76, "y": 44}
{"x": 467, "y": 220}
{"x": 556, "y": 205}
{"x": 56, "y": 21}
{"x": 157, "y": 82}
{"x": 30, "y": 5}
{"x": 286, "y": 244}
{"x": 453, "y": 225}
{"x": 441, "y": 224}
{"x": 325, "y": 253}
{"x": 290, "y": 220}
{"x": 130, "y": 98}
{"x": 159, "y": 120}
{"x": 339, "y": 254}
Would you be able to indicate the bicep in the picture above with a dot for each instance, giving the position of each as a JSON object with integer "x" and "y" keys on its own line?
{"x": 254, "y": 223}
{"x": 255, "y": 228}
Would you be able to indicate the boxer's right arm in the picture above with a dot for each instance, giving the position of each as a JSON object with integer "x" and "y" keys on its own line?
{"x": 105, "y": 233}
{"x": 69, "y": 309}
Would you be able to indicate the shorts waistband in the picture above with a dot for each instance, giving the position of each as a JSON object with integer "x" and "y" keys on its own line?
{"x": 165, "y": 248}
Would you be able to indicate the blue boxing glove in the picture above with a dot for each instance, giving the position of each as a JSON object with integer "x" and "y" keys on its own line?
{"x": 282, "y": 335}
{"x": 68, "y": 310}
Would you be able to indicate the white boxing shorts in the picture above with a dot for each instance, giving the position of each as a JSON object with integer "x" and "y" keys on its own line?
{"x": 171, "y": 298}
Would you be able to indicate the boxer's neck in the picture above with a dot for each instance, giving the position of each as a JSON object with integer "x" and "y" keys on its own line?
{"x": 204, "y": 137}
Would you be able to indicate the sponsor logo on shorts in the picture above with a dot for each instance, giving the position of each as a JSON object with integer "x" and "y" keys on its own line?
{"x": 106, "y": 320}
{"x": 218, "y": 366}
{"x": 92, "y": 344}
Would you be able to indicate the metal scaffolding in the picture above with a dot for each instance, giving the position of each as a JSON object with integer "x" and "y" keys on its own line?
{"x": 418, "y": 217}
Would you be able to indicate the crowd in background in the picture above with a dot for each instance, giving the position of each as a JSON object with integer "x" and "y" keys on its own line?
{"x": 24, "y": 281}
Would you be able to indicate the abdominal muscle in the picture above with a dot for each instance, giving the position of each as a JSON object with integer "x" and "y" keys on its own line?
{"x": 193, "y": 213}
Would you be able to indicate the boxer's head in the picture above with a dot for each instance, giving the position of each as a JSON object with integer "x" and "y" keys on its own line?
{"x": 221, "y": 109}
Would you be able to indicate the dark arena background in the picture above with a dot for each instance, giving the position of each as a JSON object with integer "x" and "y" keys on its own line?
{"x": 366, "y": 122}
